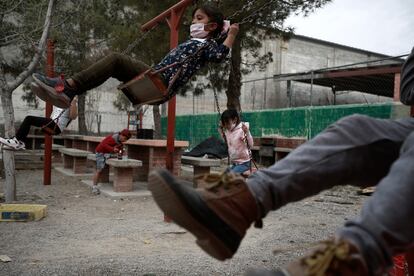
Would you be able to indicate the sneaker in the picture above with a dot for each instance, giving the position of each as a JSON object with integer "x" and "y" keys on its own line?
{"x": 218, "y": 215}
{"x": 52, "y": 90}
{"x": 13, "y": 143}
{"x": 95, "y": 190}
{"x": 331, "y": 257}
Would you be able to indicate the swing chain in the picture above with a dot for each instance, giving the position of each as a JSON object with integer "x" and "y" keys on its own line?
{"x": 138, "y": 40}
{"x": 243, "y": 9}
{"x": 250, "y": 17}
{"x": 55, "y": 120}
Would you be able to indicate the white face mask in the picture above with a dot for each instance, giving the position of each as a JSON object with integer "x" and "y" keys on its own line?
{"x": 197, "y": 30}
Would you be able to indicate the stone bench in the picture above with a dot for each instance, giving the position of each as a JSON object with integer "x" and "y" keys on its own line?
{"x": 281, "y": 152}
{"x": 56, "y": 155}
{"x": 123, "y": 173}
{"x": 201, "y": 165}
{"x": 74, "y": 159}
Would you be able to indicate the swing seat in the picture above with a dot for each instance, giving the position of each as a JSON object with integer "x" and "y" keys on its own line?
{"x": 146, "y": 88}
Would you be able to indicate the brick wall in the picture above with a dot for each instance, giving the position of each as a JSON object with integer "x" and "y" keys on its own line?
{"x": 152, "y": 158}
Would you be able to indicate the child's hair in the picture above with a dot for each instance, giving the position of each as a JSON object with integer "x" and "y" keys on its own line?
{"x": 230, "y": 114}
{"x": 125, "y": 132}
{"x": 214, "y": 15}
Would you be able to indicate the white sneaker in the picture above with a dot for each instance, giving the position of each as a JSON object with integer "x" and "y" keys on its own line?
{"x": 13, "y": 143}
{"x": 95, "y": 190}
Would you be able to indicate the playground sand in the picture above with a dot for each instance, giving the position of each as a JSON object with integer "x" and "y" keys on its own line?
{"x": 84, "y": 234}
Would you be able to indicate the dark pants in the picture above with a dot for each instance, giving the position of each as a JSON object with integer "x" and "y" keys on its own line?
{"x": 114, "y": 65}
{"x": 29, "y": 121}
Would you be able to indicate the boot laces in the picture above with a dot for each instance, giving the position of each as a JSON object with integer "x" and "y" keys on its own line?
{"x": 224, "y": 180}
{"x": 322, "y": 259}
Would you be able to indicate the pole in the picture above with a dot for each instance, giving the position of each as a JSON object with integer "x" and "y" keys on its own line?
{"x": 50, "y": 72}
{"x": 173, "y": 17}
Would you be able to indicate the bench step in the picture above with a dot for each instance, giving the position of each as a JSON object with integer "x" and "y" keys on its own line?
{"x": 74, "y": 152}
{"x": 200, "y": 161}
{"x": 124, "y": 163}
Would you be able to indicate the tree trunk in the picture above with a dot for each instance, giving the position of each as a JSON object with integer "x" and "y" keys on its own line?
{"x": 81, "y": 115}
{"x": 6, "y": 90}
{"x": 8, "y": 155}
{"x": 157, "y": 121}
{"x": 98, "y": 123}
{"x": 234, "y": 83}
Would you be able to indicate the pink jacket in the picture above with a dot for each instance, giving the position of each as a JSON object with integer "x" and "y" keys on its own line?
{"x": 238, "y": 150}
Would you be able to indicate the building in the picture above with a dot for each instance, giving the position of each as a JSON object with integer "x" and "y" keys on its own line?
{"x": 263, "y": 90}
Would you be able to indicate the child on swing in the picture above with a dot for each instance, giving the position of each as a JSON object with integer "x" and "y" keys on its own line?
{"x": 237, "y": 135}
{"x": 207, "y": 24}
{"x": 58, "y": 121}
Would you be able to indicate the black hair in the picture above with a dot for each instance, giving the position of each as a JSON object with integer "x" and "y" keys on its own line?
{"x": 214, "y": 15}
{"x": 230, "y": 114}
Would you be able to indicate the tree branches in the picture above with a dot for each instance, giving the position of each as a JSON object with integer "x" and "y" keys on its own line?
{"x": 40, "y": 48}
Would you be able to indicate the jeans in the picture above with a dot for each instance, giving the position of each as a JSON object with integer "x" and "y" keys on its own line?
{"x": 240, "y": 168}
{"x": 30, "y": 121}
{"x": 357, "y": 150}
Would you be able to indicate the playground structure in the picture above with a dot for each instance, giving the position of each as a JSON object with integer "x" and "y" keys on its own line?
{"x": 173, "y": 16}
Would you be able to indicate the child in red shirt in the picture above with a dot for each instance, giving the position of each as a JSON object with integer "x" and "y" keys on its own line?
{"x": 111, "y": 144}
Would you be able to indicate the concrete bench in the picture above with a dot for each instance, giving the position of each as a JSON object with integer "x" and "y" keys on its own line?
{"x": 200, "y": 165}
{"x": 281, "y": 152}
{"x": 74, "y": 159}
{"x": 56, "y": 155}
{"x": 123, "y": 173}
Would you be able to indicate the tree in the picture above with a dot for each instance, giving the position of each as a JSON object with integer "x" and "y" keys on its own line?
{"x": 18, "y": 29}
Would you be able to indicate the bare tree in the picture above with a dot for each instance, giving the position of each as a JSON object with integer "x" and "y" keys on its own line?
{"x": 92, "y": 101}
{"x": 8, "y": 85}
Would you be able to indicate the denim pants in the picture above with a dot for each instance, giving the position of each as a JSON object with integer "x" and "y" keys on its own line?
{"x": 240, "y": 168}
{"x": 114, "y": 65}
{"x": 357, "y": 150}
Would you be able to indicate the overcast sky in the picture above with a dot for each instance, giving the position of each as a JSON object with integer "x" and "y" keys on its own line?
{"x": 383, "y": 26}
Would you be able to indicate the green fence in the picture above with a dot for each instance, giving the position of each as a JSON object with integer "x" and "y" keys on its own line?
{"x": 289, "y": 122}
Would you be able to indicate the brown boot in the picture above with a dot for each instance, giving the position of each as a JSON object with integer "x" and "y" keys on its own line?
{"x": 330, "y": 258}
{"x": 218, "y": 215}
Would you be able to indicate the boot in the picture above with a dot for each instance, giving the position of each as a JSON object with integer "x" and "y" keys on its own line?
{"x": 218, "y": 215}
{"x": 330, "y": 258}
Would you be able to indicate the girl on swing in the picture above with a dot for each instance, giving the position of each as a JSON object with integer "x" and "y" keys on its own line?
{"x": 58, "y": 121}
{"x": 236, "y": 134}
{"x": 207, "y": 24}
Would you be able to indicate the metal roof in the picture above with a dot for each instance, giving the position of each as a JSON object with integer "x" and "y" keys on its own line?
{"x": 377, "y": 80}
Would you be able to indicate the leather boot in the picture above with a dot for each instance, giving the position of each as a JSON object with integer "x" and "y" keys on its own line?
{"x": 218, "y": 214}
{"x": 330, "y": 258}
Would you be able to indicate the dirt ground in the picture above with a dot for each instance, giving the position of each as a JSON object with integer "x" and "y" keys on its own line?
{"x": 95, "y": 235}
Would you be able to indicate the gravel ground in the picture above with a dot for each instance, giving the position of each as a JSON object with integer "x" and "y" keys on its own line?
{"x": 95, "y": 235}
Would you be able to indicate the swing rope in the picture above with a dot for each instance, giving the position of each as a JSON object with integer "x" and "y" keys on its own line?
{"x": 48, "y": 130}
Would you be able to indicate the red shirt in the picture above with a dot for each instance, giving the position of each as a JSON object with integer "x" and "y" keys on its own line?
{"x": 108, "y": 144}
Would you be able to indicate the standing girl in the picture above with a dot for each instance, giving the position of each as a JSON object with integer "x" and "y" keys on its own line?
{"x": 207, "y": 25}
{"x": 237, "y": 135}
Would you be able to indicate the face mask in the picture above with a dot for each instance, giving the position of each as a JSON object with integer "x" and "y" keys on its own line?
{"x": 197, "y": 30}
